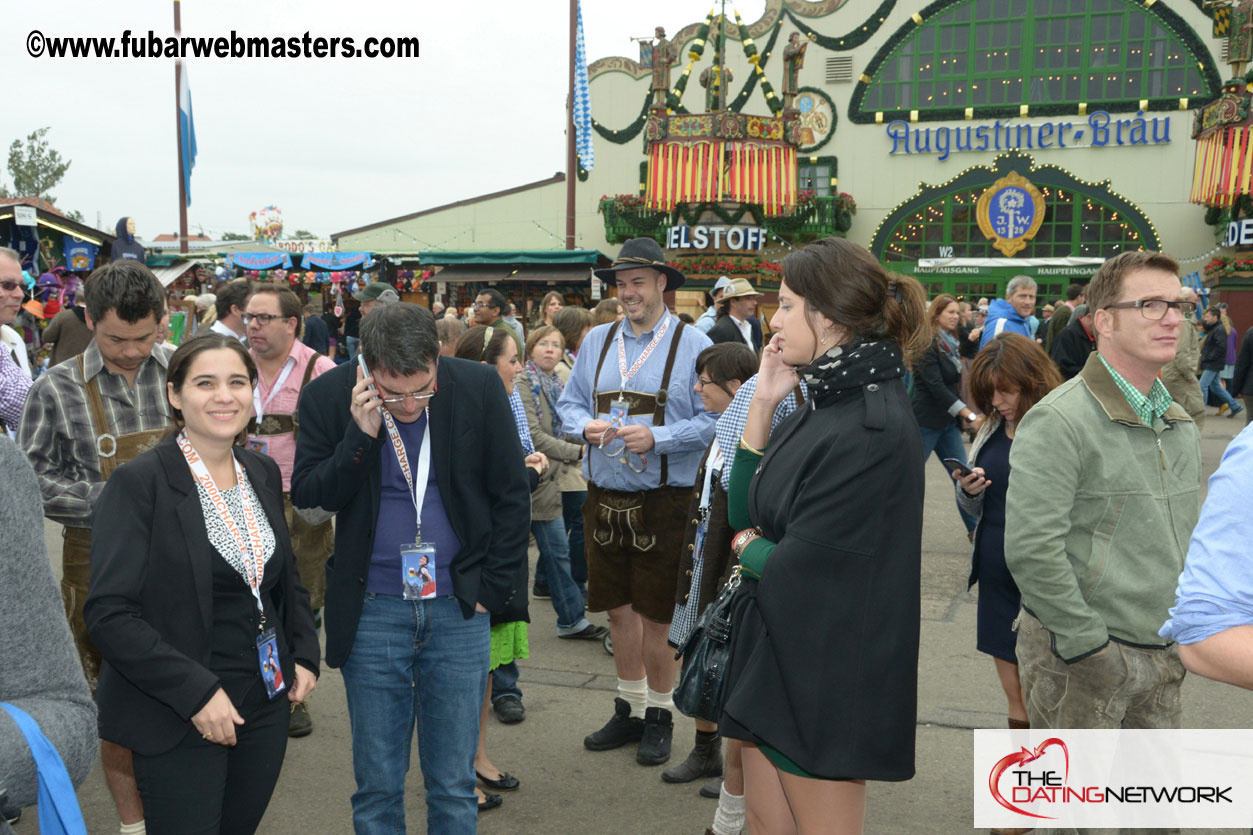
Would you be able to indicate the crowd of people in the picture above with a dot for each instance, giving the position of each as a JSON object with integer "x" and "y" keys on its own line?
{"x": 243, "y": 509}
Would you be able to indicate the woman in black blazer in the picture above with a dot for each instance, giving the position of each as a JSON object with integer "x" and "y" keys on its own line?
{"x": 193, "y": 593}
{"x": 936, "y": 401}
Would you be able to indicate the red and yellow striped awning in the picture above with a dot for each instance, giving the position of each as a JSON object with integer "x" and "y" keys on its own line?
{"x": 1224, "y": 166}
{"x": 717, "y": 171}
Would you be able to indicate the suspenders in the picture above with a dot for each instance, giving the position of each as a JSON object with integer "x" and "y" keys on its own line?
{"x": 640, "y": 407}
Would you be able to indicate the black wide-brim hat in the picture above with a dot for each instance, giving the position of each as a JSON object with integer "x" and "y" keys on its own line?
{"x": 643, "y": 252}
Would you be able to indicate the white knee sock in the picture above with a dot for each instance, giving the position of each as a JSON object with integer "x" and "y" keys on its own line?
{"x": 662, "y": 700}
{"x": 133, "y": 829}
{"x": 729, "y": 819}
{"x": 634, "y": 693}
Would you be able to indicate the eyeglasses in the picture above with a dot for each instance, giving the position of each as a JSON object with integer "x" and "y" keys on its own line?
{"x": 418, "y": 397}
{"x": 702, "y": 382}
{"x": 482, "y": 304}
{"x": 10, "y": 286}
{"x": 262, "y": 319}
{"x": 1154, "y": 309}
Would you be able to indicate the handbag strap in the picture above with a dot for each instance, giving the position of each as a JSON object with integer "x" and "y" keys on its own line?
{"x": 58, "y": 805}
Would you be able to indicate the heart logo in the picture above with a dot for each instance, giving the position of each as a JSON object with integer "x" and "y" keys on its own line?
{"x": 1021, "y": 758}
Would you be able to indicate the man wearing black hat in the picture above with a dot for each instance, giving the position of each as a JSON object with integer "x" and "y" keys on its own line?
{"x": 631, "y": 396}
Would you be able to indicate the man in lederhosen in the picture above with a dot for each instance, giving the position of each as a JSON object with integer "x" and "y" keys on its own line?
{"x": 272, "y": 317}
{"x": 85, "y": 418}
{"x": 631, "y": 396}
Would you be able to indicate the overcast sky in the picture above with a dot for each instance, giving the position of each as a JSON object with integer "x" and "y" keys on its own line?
{"x": 333, "y": 143}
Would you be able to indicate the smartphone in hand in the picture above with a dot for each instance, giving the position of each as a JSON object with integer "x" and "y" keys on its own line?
{"x": 956, "y": 467}
{"x": 365, "y": 370}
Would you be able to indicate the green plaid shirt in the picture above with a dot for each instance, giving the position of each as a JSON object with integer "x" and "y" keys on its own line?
{"x": 1149, "y": 407}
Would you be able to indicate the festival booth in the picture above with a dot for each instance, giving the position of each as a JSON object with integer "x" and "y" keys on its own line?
{"x": 57, "y": 254}
{"x": 727, "y": 192}
{"x": 524, "y": 277}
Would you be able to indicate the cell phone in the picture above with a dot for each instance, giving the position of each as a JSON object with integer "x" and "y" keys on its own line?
{"x": 365, "y": 370}
{"x": 957, "y": 467}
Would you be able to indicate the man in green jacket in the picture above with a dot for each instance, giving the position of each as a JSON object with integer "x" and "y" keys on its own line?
{"x": 1096, "y": 536}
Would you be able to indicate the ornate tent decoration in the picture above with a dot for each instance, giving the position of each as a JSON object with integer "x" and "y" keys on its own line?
{"x": 984, "y": 59}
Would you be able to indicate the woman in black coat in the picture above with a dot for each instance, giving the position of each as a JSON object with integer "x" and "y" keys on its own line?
{"x": 830, "y": 548}
{"x": 936, "y": 400}
{"x": 196, "y": 606}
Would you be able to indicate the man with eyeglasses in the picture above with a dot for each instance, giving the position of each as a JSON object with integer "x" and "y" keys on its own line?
{"x": 414, "y": 461}
{"x": 285, "y": 365}
{"x": 492, "y": 310}
{"x": 632, "y": 396}
{"x": 15, "y": 381}
{"x": 1104, "y": 492}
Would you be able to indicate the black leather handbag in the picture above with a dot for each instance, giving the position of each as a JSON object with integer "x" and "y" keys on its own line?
{"x": 706, "y": 653}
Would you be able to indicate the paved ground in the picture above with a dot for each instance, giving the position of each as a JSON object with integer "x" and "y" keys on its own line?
{"x": 568, "y": 691}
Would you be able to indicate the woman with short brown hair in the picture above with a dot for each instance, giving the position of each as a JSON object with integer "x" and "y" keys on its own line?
{"x": 1009, "y": 376}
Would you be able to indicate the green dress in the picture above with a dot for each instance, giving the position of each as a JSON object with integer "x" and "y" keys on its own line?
{"x": 509, "y": 643}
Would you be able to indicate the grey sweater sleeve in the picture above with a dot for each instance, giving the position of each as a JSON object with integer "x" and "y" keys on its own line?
{"x": 39, "y": 667}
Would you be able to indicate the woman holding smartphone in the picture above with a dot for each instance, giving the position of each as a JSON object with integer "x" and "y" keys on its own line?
{"x": 1009, "y": 376}
{"x": 829, "y": 513}
{"x": 196, "y": 606}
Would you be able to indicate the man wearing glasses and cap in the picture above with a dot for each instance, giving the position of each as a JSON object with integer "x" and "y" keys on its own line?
{"x": 631, "y": 396}
{"x": 710, "y": 316}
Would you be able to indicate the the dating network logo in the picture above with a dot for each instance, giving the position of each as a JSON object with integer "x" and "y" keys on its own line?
{"x": 1021, "y": 789}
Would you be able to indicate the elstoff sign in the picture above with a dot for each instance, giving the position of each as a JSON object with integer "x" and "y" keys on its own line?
{"x": 735, "y": 238}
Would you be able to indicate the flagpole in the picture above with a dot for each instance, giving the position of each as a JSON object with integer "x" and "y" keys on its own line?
{"x": 572, "y": 170}
{"x": 178, "y": 140}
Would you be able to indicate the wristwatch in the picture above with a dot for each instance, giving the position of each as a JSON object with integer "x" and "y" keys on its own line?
{"x": 742, "y": 538}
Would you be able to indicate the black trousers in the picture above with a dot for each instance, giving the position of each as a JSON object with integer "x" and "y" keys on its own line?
{"x": 200, "y": 788}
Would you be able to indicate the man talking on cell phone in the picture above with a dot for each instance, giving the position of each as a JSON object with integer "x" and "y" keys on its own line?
{"x": 378, "y": 450}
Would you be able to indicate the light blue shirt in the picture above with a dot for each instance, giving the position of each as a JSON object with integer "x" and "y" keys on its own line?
{"x": 688, "y": 428}
{"x": 1215, "y": 590}
{"x": 731, "y": 422}
{"x": 707, "y": 319}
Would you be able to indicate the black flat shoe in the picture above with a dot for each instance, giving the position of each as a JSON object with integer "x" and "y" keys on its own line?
{"x": 490, "y": 801}
{"x": 506, "y": 783}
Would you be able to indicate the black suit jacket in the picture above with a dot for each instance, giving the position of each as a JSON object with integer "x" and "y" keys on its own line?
{"x": 477, "y": 459}
{"x": 725, "y": 330}
{"x": 149, "y": 607}
{"x": 937, "y": 383}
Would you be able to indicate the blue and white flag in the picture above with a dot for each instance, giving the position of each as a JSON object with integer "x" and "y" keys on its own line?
{"x": 186, "y": 133}
{"x": 582, "y": 100}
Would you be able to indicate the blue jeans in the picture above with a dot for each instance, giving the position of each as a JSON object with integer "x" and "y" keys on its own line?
{"x": 947, "y": 443}
{"x": 415, "y": 663}
{"x": 1210, "y": 383}
{"x": 554, "y": 558}
{"x": 572, "y": 509}
{"x": 353, "y": 343}
{"x": 505, "y": 682}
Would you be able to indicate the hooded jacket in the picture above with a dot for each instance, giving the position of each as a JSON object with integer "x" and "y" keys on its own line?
{"x": 125, "y": 245}
{"x": 1002, "y": 318}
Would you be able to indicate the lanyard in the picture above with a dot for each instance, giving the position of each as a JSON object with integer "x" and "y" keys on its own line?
{"x": 622, "y": 366}
{"x": 713, "y": 464}
{"x": 417, "y": 489}
{"x": 253, "y": 568}
{"x": 278, "y": 384}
